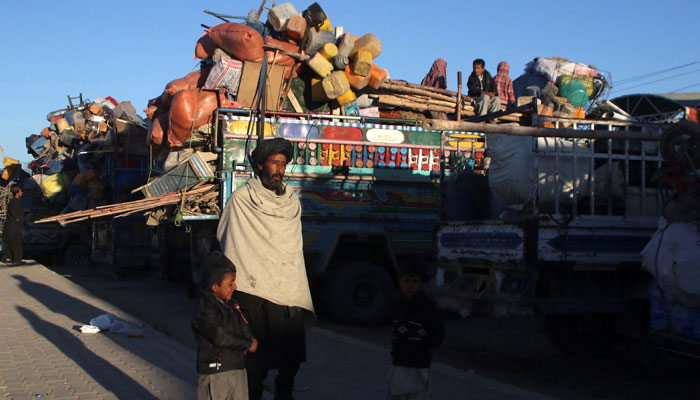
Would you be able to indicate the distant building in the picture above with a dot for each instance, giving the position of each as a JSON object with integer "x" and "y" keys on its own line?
{"x": 661, "y": 107}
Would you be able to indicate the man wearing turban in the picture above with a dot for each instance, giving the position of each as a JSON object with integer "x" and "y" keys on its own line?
{"x": 260, "y": 232}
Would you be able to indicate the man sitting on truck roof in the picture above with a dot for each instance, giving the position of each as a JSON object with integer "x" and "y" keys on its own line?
{"x": 260, "y": 231}
{"x": 482, "y": 90}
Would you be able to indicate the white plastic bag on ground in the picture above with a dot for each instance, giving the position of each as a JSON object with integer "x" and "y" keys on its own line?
{"x": 672, "y": 256}
{"x": 89, "y": 329}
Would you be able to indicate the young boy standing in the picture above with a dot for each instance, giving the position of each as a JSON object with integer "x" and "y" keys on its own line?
{"x": 416, "y": 329}
{"x": 222, "y": 334}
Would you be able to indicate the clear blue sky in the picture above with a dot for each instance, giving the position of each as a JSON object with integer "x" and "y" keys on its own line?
{"x": 130, "y": 49}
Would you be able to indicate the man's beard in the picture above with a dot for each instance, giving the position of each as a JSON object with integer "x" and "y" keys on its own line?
{"x": 272, "y": 184}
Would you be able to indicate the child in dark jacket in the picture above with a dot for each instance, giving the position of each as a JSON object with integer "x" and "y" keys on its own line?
{"x": 222, "y": 333}
{"x": 416, "y": 329}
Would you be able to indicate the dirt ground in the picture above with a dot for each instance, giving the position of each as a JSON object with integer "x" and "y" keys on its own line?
{"x": 510, "y": 349}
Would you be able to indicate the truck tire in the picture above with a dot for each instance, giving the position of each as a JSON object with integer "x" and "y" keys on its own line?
{"x": 581, "y": 334}
{"x": 360, "y": 293}
{"x": 76, "y": 255}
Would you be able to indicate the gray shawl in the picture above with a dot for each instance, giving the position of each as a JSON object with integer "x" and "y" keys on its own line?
{"x": 261, "y": 233}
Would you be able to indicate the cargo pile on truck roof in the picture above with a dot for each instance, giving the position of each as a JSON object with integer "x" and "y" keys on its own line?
{"x": 308, "y": 67}
{"x": 296, "y": 65}
{"x": 311, "y": 67}
{"x": 71, "y": 168}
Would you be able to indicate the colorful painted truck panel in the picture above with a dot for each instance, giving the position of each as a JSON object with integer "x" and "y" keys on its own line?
{"x": 370, "y": 195}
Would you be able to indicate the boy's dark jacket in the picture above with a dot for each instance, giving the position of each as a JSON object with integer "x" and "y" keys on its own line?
{"x": 416, "y": 329}
{"x": 222, "y": 335}
{"x": 474, "y": 87}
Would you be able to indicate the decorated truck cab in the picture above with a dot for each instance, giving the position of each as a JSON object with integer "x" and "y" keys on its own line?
{"x": 370, "y": 195}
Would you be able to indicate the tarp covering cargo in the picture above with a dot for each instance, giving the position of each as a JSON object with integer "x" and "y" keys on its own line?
{"x": 517, "y": 173}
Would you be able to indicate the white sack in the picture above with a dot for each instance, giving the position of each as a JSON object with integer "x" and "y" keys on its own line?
{"x": 513, "y": 172}
{"x": 672, "y": 256}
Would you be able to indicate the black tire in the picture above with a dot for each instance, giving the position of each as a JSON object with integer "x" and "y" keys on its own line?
{"x": 582, "y": 334}
{"x": 76, "y": 255}
{"x": 360, "y": 293}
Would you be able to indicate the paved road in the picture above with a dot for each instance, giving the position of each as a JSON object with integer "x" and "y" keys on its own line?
{"x": 44, "y": 355}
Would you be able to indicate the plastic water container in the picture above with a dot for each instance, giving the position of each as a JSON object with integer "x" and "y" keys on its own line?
{"x": 585, "y": 79}
{"x": 575, "y": 92}
{"x": 346, "y": 97}
{"x": 316, "y": 39}
{"x": 317, "y": 92}
{"x": 320, "y": 65}
{"x": 335, "y": 85}
{"x": 362, "y": 63}
{"x": 356, "y": 81}
{"x": 296, "y": 27}
{"x": 346, "y": 42}
{"x": 340, "y": 62}
{"x": 328, "y": 50}
{"x": 377, "y": 76}
{"x": 368, "y": 42}
{"x": 280, "y": 14}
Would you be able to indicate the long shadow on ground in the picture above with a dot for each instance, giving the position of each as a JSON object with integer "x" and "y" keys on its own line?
{"x": 101, "y": 370}
{"x": 82, "y": 312}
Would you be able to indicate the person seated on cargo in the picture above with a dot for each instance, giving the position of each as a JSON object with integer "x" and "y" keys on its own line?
{"x": 504, "y": 85}
{"x": 482, "y": 90}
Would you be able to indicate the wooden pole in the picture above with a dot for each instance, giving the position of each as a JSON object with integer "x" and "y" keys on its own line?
{"x": 441, "y": 125}
{"x": 417, "y": 86}
{"x": 400, "y": 102}
{"x": 297, "y": 56}
{"x": 458, "y": 107}
{"x": 119, "y": 208}
{"x": 394, "y": 88}
{"x": 423, "y": 100}
{"x": 260, "y": 10}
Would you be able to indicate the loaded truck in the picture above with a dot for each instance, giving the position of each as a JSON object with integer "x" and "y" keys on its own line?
{"x": 571, "y": 209}
{"x": 52, "y": 243}
{"x": 370, "y": 195}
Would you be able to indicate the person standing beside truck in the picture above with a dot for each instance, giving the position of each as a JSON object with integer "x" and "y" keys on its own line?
{"x": 260, "y": 232}
{"x": 417, "y": 329}
{"x": 12, "y": 231}
{"x": 223, "y": 335}
{"x": 482, "y": 90}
